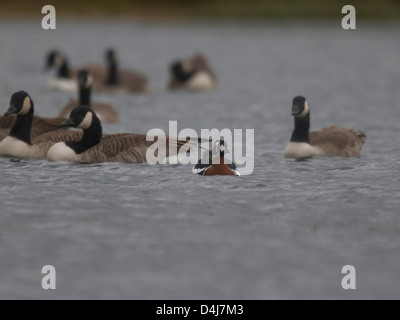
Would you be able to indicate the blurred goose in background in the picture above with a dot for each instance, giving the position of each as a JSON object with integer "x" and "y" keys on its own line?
{"x": 214, "y": 163}
{"x": 124, "y": 148}
{"x": 120, "y": 81}
{"x": 105, "y": 112}
{"x": 65, "y": 79}
{"x": 332, "y": 141}
{"x": 192, "y": 74}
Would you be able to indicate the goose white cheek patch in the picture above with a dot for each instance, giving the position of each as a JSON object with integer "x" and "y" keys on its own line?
{"x": 89, "y": 81}
{"x": 25, "y": 107}
{"x": 87, "y": 122}
{"x": 305, "y": 111}
{"x": 58, "y": 61}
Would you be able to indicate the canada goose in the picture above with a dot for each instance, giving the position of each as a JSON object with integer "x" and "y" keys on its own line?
{"x": 104, "y": 111}
{"x": 121, "y": 81}
{"x": 193, "y": 74}
{"x": 66, "y": 78}
{"x": 125, "y": 148}
{"x": 19, "y": 144}
{"x": 214, "y": 163}
{"x": 332, "y": 141}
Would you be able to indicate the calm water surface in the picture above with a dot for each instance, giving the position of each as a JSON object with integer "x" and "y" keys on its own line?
{"x": 158, "y": 232}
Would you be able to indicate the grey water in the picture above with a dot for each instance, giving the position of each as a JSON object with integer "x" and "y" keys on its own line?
{"x": 119, "y": 231}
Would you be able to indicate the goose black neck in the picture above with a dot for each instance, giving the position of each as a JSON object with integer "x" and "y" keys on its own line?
{"x": 112, "y": 79}
{"x": 64, "y": 72}
{"x": 91, "y": 137}
{"x": 84, "y": 96}
{"x": 301, "y": 129}
{"x": 23, "y": 126}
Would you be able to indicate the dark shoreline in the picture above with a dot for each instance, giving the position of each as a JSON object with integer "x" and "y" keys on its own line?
{"x": 203, "y": 10}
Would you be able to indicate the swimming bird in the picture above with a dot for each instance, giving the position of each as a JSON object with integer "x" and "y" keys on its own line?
{"x": 105, "y": 112}
{"x": 124, "y": 148}
{"x": 18, "y": 143}
{"x": 66, "y": 77}
{"x": 193, "y": 74}
{"x": 120, "y": 81}
{"x": 332, "y": 141}
{"x": 214, "y": 163}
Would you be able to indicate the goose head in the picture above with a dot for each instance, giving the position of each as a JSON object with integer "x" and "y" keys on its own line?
{"x": 54, "y": 59}
{"x": 20, "y": 104}
{"x": 300, "y": 107}
{"x": 220, "y": 148}
{"x": 85, "y": 79}
{"x": 81, "y": 117}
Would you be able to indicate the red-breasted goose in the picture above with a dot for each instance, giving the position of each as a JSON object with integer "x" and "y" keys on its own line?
{"x": 215, "y": 163}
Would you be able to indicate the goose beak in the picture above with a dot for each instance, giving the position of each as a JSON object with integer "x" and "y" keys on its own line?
{"x": 68, "y": 123}
{"x": 11, "y": 110}
{"x": 295, "y": 110}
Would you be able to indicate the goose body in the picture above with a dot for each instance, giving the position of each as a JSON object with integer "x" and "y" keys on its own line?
{"x": 60, "y": 84}
{"x": 122, "y": 81}
{"x": 40, "y": 125}
{"x": 215, "y": 163}
{"x": 69, "y": 84}
{"x": 12, "y": 147}
{"x": 193, "y": 74}
{"x": 105, "y": 112}
{"x": 332, "y": 141}
{"x": 66, "y": 77}
{"x": 124, "y": 148}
